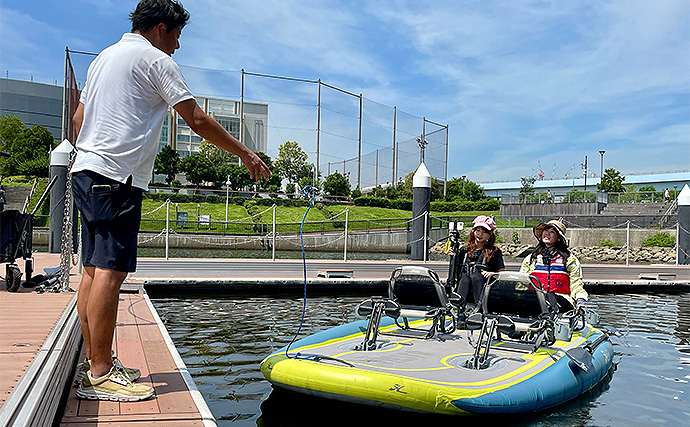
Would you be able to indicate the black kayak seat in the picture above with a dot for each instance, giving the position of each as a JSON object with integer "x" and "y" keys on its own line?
{"x": 417, "y": 289}
{"x": 516, "y": 296}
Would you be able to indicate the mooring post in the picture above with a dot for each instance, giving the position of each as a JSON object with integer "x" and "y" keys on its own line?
{"x": 684, "y": 226}
{"x": 59, "y": 162}
{"x": 273, "y": 237}
{"x": 421, "y": 204}
{"x": 627, "y": 243}
{"x": 347, "y": 222}
{"x": 167, "y": 228}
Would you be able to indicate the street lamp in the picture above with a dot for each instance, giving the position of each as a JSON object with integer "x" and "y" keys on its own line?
{"x": 227, "y": 197}
{"x": 463, "y": 186}
{"x": 584, "y": 172}
{"x": 601, "y": 170}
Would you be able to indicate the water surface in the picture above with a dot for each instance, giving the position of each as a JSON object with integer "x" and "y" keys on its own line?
{"x": 222, "y": 342}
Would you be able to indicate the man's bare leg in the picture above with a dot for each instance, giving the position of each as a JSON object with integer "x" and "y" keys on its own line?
{"x": 101, "y": 314}
{"x": 82, "y": 302}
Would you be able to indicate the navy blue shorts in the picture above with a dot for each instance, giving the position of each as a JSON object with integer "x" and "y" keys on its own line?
{"x": 110, "y": 218}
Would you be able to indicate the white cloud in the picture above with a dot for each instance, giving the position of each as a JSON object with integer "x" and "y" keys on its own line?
{"x": 518, "y": 82}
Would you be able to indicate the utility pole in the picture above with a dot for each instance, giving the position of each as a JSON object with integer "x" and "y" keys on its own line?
{"x": 601, "y": 170}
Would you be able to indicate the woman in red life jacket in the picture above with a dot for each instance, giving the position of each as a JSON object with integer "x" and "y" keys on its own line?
{"x": 476, "y": 260}
{"x": 552, "y": 263}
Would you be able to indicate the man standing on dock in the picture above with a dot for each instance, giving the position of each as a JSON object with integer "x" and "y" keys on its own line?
{"x": 128, "y": 89}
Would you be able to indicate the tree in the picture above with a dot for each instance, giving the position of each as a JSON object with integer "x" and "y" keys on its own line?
{"x": 527, "y": 185}
{"x": 405, "y": 188}
{"x": 28, "y": 148}
{"x": 337, "y": 184}
{"x": 274, "y": 181}
{"x": 221, "y": 163}
{"x": 611, "y": 182}
{"x": 459, "y": 189}
{"x": 167, "y": 163}
{"x": 291, "y": 162}
{"x": 198, "y": 169}
{"x": 239, "y": 176}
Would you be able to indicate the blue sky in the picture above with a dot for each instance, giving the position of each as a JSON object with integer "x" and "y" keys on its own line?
{"x": 523, "y": 85}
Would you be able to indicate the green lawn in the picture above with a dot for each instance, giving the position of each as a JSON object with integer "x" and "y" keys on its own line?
{"x": 154, "y": 213}
{"x": 288, "y": 219}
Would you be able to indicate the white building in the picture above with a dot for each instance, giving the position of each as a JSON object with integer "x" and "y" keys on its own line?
{"x": 33, "y": 103}
{"x": 42, "y": 104}
{"x": 185, "y": 141}
{"x": 660, "y": 181}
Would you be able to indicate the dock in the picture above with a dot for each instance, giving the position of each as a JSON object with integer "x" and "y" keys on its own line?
{"x": 41, "y": 345}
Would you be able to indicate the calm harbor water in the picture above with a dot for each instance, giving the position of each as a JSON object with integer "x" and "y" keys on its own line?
{"x": 222, "y": 342}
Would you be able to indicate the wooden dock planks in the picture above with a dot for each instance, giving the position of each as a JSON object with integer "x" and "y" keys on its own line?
{"x": 27, "y": 319}
{"x": 139, "y": 344}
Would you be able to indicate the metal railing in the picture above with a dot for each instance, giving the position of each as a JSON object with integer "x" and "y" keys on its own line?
{"x": 673, "y": 207}
{"x": 577, "y": 196}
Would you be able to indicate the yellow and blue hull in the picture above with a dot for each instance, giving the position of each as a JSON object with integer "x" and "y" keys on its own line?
{"x": 430, "y": 375}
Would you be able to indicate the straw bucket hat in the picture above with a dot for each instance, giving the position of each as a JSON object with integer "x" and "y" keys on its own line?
{"x": 557, "y": 225}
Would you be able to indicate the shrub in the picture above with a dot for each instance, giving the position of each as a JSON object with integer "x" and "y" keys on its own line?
{"x": 402, "y": 204}
{"x": 487, "y": 205}
{"x": 465, "y": 205}
{"x": 663, "y": 240}
{"x": 377, "y": 202}
{"x": 516, "y": 238}
{"x": 441, "y": 206}
{"x": 607, "y": 243}
{"x": 290, "y": 190}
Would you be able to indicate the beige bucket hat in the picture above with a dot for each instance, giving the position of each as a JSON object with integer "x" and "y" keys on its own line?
{"x": 556, "y": 224}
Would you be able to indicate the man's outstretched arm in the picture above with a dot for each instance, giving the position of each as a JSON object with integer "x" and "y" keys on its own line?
{"x": 209, "y": 129}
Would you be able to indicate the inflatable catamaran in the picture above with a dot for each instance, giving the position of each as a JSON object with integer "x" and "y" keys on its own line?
{"x": 514, "y": 353}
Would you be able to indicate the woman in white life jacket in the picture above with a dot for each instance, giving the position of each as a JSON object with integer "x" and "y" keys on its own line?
{"x": 556, "y": 268}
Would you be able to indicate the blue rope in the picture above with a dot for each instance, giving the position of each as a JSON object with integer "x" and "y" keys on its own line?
{"x": 310, "y": 192}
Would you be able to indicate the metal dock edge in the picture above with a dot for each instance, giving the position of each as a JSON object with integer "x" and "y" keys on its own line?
{"x": 38, "y": 394}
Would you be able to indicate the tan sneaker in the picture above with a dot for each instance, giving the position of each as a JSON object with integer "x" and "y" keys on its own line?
{"x": 133, "y": 373}
{"x": 115, "y": 385}
{"x": 82, "y": 368}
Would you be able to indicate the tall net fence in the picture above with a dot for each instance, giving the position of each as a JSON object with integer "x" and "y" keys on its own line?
{"x": 371, "y": 143}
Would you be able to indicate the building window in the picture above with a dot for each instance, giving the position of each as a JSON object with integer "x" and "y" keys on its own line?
{"x": 259, "y": 132}
{"x": 230, "y": 124}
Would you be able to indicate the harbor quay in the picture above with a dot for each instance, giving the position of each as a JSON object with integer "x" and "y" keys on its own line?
{"x": 40, "y": 343}
{"x": 390, "y": 241}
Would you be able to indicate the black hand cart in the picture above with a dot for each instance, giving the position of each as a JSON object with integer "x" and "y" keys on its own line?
{"x": 16, "y": 230}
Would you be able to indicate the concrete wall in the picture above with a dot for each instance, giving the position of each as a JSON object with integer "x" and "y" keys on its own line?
{"x": 587, "y": 237}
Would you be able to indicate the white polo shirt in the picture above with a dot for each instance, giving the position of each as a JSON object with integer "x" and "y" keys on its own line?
{"x": 129, "y": 87}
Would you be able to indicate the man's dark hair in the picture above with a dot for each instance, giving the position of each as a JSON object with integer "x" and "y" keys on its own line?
{"x": 150, "y": 13}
